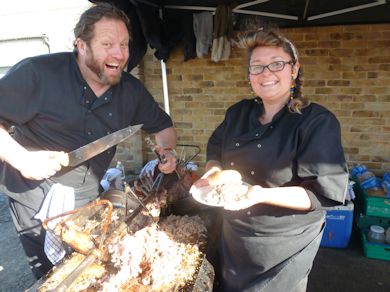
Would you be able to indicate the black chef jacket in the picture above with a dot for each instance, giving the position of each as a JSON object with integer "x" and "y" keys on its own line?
{"x": 292, "y": 150}
{"x": 53, "y": 108}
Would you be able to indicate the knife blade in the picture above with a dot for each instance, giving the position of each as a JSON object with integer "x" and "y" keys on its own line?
{"x": 98, "y": 146}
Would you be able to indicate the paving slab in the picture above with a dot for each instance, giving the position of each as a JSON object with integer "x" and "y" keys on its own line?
{"x": 348, "y": 270}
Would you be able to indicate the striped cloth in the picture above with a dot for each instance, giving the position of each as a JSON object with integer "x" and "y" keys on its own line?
{"x": 59, "y": 199}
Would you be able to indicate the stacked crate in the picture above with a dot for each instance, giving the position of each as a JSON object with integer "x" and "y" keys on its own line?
{"x": 374, "y": 211}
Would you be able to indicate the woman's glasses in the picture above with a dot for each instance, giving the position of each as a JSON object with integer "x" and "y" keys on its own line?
{"x": 273, "y": 67}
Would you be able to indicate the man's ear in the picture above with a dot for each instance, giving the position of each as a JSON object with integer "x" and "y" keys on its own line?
{"x": 81, "y": 46}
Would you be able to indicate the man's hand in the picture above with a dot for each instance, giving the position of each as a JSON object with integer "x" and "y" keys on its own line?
{"x": 166, "y": 139}
{"x": 168, "y": 160}
{"x": 38, "y": 165}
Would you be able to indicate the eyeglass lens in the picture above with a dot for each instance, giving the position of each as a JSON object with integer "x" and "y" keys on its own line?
{"x": 273, "y": 67}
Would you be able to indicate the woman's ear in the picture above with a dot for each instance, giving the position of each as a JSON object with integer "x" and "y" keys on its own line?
{"x": 295, "y": 69}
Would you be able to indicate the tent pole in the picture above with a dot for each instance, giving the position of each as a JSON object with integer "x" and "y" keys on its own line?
{"x": 364, "y": 6}
{"x": 165, "y": 86}
{"x": 164, "y": 79}
{"x": 236, "y": 10}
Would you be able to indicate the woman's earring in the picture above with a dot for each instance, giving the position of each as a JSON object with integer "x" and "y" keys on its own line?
{"x": 292, "y": 88}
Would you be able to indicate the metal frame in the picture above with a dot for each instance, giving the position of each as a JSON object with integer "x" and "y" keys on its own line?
{"x": 346, "y": 10}
{"x": 238, "y": 9}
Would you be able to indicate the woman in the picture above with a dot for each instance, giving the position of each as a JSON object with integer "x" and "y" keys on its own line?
{"x": 290, "y": 151}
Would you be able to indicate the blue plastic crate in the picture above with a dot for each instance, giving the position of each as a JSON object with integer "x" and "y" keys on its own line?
{"x": 338, "y": 227}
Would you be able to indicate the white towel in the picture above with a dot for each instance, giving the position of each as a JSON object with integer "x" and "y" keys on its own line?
{"x": 59, "y": 199}
{"x": 223, "y": 27}
{"x": 203, "y": 30}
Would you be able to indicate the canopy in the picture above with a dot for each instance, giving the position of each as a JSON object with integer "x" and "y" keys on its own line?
{"x": 164, "y": 23}
{"x": 293, "y": 13}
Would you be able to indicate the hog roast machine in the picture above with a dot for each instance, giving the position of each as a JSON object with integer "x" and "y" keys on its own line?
{"x": 152, "y": 236}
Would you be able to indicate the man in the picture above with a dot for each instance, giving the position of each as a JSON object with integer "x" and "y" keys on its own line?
{"x": 53, "y": 104}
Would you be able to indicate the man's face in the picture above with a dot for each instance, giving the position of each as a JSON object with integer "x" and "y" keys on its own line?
{"x": 108, "y": 52}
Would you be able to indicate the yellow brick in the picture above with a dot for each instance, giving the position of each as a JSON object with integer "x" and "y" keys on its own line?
{"x": 352, "y": 61}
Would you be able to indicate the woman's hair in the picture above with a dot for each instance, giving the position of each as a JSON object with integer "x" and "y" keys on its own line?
{"x": 272, "y": 38}
{"x": 85, "y": 27}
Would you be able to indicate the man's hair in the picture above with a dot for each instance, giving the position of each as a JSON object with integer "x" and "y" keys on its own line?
{"x": 85, "y": 27}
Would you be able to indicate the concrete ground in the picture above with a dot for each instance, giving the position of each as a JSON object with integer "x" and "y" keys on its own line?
{"x": 348, "y": 270}
{"x": 15, "y": 274}
{"x": 334, "y": 270}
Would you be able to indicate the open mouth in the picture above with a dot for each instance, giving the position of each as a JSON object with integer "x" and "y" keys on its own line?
{"x": 112, "y": 66}
{"x": 269, "y": 83}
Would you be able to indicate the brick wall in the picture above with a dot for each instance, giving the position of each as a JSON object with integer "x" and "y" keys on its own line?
{"x": 346, "y": 69}
{"x": 130, "y": 151}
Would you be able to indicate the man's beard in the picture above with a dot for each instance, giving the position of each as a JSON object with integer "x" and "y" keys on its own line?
{"x": 93, "y": 65}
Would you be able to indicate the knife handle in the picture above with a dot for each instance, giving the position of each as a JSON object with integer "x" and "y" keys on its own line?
{"x": 151, "y": 145}
{"x": 161, "y": 158}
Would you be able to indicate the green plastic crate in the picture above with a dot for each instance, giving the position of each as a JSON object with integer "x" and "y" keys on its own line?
{"x": 374, "y": 250}
{"x": 372, "y": 206}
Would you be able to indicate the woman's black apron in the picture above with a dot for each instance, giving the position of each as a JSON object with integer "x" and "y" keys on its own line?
{"x": 268, "y": 252}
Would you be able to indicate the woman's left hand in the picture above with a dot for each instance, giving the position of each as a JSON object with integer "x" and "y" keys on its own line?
{"x": 250, "y": 198}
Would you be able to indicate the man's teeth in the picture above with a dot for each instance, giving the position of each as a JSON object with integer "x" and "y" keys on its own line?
{"x": 112, "y": 66}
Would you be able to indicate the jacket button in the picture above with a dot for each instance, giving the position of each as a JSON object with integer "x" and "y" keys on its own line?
{"x": 110, "y": 114}
{"x": 252, "y": 172}
{"x": 89, "y": 133}
{"x": 258, "y": 145}
{"x": 231, "y": 163}
{"x": 237, "y": 144}
{"x": 257, "y": 135}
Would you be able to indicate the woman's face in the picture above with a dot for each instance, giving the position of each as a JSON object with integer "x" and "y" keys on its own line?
{"x": 272, "y": 87}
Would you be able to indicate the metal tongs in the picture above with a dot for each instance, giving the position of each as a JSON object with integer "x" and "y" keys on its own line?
{"x": 146, "y": 188}
{"x": 152, "y": 147}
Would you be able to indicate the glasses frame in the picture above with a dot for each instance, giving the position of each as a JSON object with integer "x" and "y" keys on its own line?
{"x": 269, "y": 69}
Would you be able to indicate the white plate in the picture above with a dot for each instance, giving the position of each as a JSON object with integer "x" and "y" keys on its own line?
{"x": 203, "y": 196}
{"x": 200, "y": 195}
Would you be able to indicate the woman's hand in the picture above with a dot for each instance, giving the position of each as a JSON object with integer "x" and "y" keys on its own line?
{"x": 250, "y": 198}
{"x": 293, "y": 197}
{"x": 38, "y": 165}
{"x": 216, "y": 176}
{"x": 203, "y": 181}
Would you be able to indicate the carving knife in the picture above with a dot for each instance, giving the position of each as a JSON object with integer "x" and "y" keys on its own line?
{"x": 96, "y": 147}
